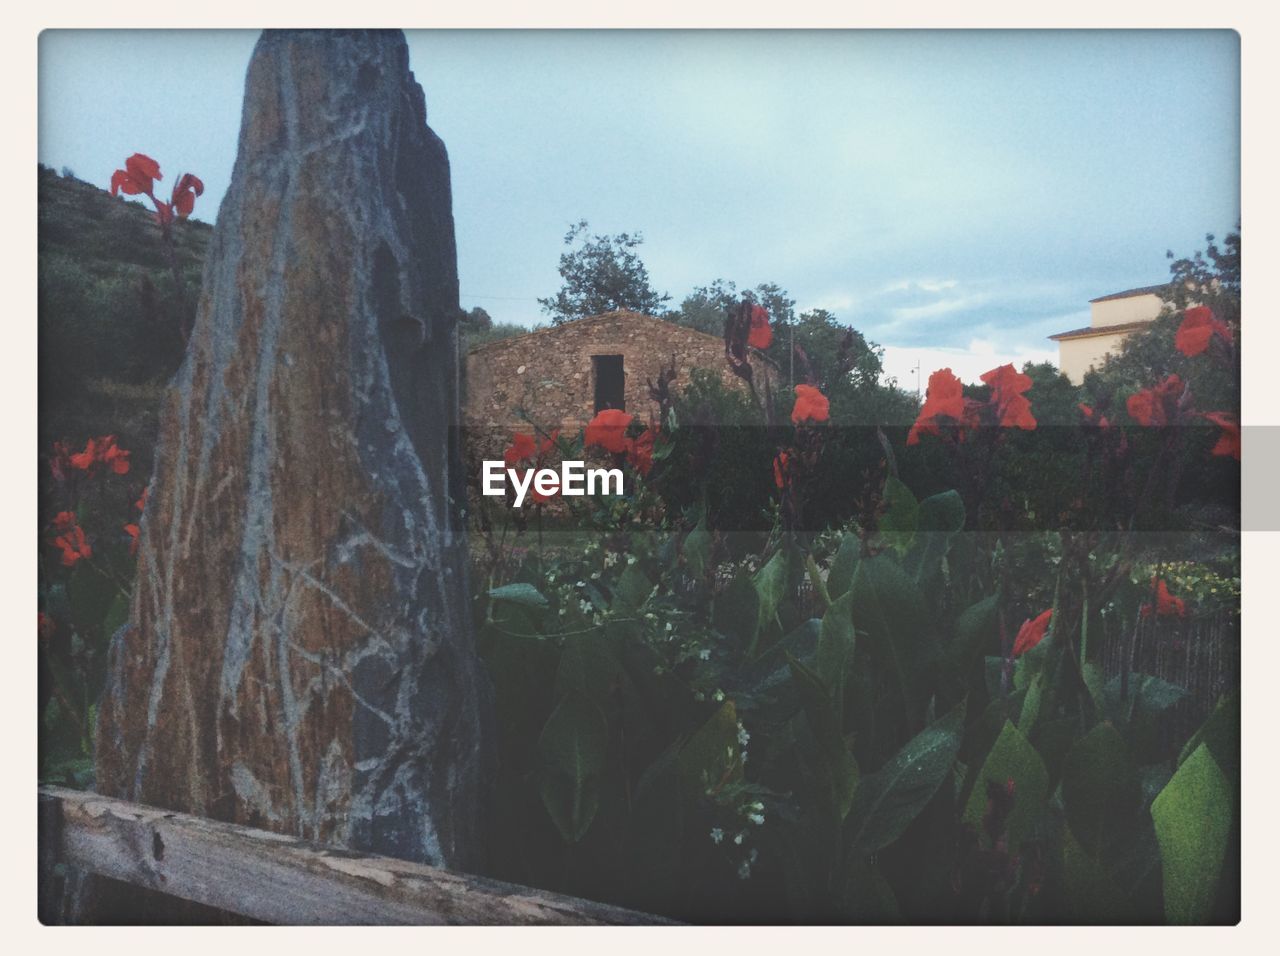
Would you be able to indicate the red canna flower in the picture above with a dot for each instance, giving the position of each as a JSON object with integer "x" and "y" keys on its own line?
{"x": 69, "y": 539}
{"x": 811, "y": 405}
{"x": 1158, "y": 405}
{"x": 1093, "y": 418}
{"x": 1013, "y": 410}
{"x": 944, "y": 398}
{"x": 1166, "y": 604}
{"x": 84, "y": 460}
{"x": 522, "y": 448}
{"x": 132, "y": 531}
{"x": 608, "y": 431}
{"x": 1031, "y": 633}
{"x": 1198, "y": 328}
{"x": 761, "y": 333}
{"x": 45, "y": 626}
{"x": 141, "y": 503}
{"x": 101, "y": 451}
{"x": 782, "y": 470}
{"x": 138, "y": 176}
{"x": 185, "y": 191}
{"x": 640, "y": 452}
{"x": 59, "y": 462}
{"x": 1229, "y": 441}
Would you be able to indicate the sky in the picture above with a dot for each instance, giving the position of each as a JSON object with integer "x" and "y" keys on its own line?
{"x": 955, "y": 196}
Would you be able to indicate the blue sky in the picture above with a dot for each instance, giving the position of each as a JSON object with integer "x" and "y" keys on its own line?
{"x": 957, "y": 196}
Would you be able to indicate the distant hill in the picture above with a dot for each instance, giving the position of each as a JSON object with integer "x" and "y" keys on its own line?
{"x": 108, "y": 313}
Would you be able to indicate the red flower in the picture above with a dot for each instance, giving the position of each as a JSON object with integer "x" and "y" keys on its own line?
{"x": 132, "y": 531}
{"x": 185, "y": 191}
{"x": 640, "y": 453}
{"x": 141, "y": 503}
{"x": 102, "y": 451}
{"x": 1229, "y": 441}
{"x": 1157, "y": 405}
{"x": 59, "y": 462}
{"x": 69, "y": 538}
{"x": 608, "y": 431}
{"x": 1197, "y": 329}
{"x": 1013, "y": 410}
{"x": 45, "y": 626}
{"x": 811, "y": 405}
{"x": 137, "y": 177}
{"x": 761, "y": 334}
{"x": 1166, "y": 604}
{"x": 522, "y": 448}
{"x": 944, "y": 398}
{"x": 1092, "y": 417}
{"x": 782, "y": 469}
{"x": 1031, "y": 633}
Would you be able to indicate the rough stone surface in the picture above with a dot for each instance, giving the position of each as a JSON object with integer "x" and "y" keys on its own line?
{"x": 298, "y": 655}
{"x": 548, "y": 374}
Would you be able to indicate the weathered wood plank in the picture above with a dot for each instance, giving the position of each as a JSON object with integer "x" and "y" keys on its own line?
{"x": 279, "y": 879}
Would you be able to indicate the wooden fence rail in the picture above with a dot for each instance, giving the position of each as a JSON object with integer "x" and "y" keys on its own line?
{"x": 275, "y": 878}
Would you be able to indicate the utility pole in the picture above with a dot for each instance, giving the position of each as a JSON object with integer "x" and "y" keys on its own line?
{"x": 916, "y": 372}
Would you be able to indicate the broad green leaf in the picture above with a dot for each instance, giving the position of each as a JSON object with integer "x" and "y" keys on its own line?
{"x": 771, "y": 586}
{"x": 1193, "y": 817}
{"x": 710, "y": 758}
{"x": 889, "y": 608}
{"x": 1092, "y": 896}
{"x": 939, "y": 519}
{"x": 901, "y": 516}
{"x": 977, "y": 631}
{"x": 843, "y": 565}
{"x": 835, "y": 647}
{"x": 868, "y": 897}
{"x": 575, "y": 737}
{"x": 736, "y": 611}
{"x": 588, "y": 666}
{"x": 632, "y": 590}
{"x": 571, "y": 806}
{"x": 697, "y": 549}
{"x": 885, "y": 802}
{"x": 840, "y": 769}
{"x": 117, "y": 616}
{"x": 90, "y": 594}
{"x": 520, "y": 593}
{"x": 1101, "y": 790}
{"x": 1221, "y": 734}
{"x": 1011, "y": 758}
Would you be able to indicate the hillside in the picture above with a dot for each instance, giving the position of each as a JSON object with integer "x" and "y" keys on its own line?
{"x": 108, "y": 313}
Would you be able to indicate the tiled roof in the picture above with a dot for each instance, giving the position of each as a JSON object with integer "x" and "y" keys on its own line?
{"x": 1092, "y": 330}
{"x": 1129, "y": 293}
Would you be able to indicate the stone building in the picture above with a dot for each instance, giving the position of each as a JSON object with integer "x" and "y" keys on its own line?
{"x": 562, "y": 375}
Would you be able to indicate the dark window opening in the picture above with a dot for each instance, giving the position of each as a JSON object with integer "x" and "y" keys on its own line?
{"x": 610, "y": 381}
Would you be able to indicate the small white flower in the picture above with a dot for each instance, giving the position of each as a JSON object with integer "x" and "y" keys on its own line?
{"x": 739, "y": 837}
{"x": 756, "y": 818}
{"x": 743, "y": 737}
{"x": 718, "y": 696}
{"x": 717, "y": 835}
{"x": 705, "y": 654}
{"x": 668, "y": 627}
{"x": 631, "y": 559}
{"x": 744, "y": 870}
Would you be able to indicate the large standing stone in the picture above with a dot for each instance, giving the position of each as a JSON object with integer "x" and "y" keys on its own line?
{"x": 299, "y": 655}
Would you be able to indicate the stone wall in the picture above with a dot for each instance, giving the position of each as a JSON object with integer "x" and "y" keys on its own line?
{"x": 549, "y": 372}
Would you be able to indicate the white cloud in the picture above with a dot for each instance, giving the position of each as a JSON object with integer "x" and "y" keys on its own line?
{"x": 913, "y": 313}
{"x": 968, "y": 364}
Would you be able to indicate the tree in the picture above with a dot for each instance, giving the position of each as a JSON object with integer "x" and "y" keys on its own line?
{"x": 602, "y": 273}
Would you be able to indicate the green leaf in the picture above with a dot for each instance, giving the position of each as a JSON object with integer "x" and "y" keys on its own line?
{"x": 697, "y": 549}
{"x": 889, "y": 608}
{"x": 587, "y": 667}
{"x": 885, "y": 802}
{"x": 632, "y": 590}
{"x": 1092, "y": 895}
{"x": 1193, "y": 817}
{"x": 771, "y": 586}
{"x": 90, "y": 594}
{"x": 1101, "y": 790}
{"x": 736, "y": 612}
{"x": 840, "y": 770}
{"x": 117, "y": 615}
{"x": 1221, "y": 734}
{"x": 710, "y": 757}
{"x": 573, "y": 745}
{"x": 901, "y": 516}
{"x": 940, "y": 518}
{"x": 1011, "y": 758}
{"x": 977, "y": 630}
{"x": 835, "y": 647}
{"x": 525, "y": 594}
{"x": 843, "y": 565}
